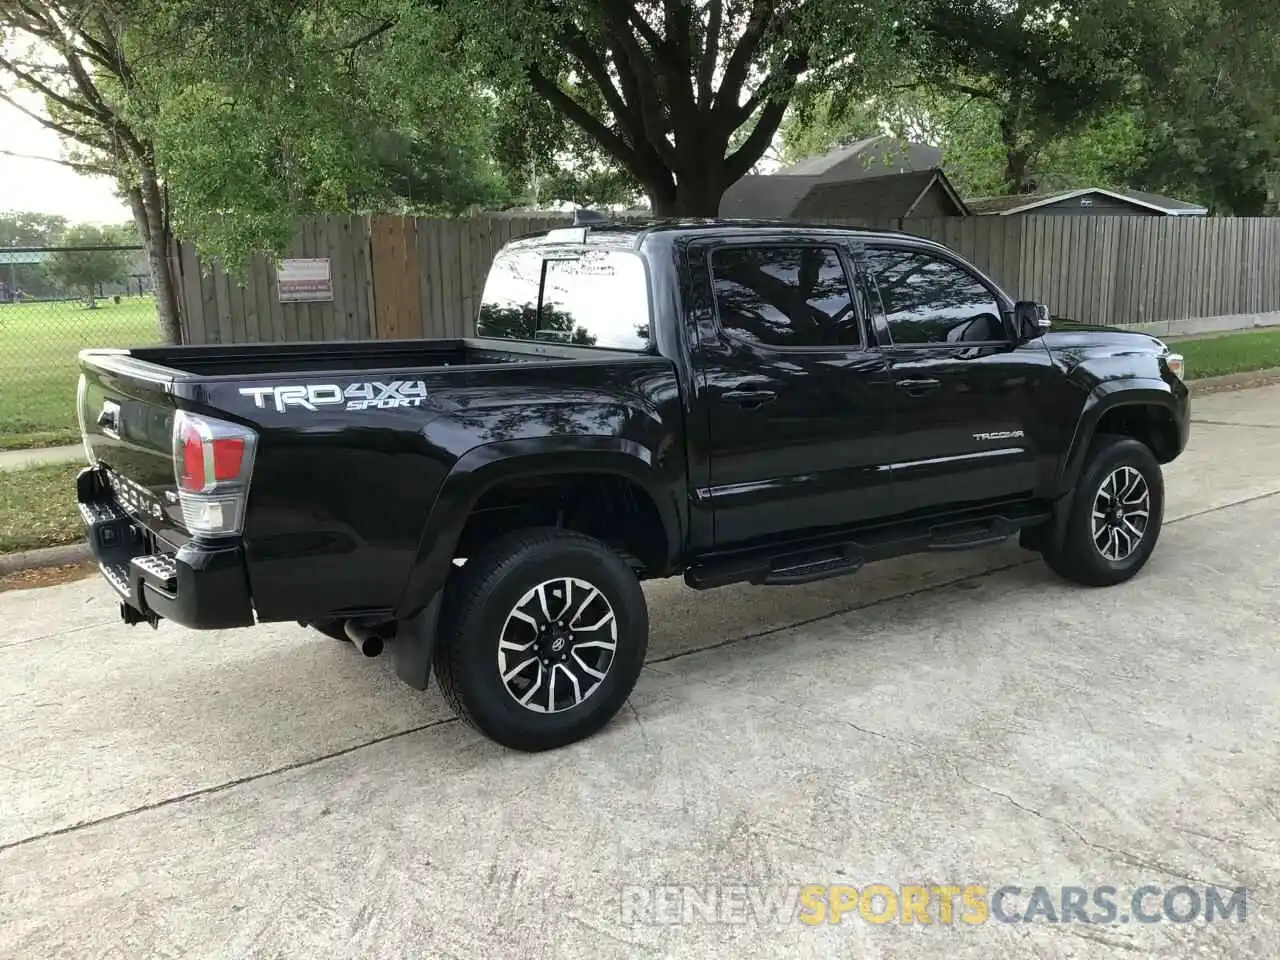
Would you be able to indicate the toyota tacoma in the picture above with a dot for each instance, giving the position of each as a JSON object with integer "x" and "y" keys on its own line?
{"x": 734, "y": 402}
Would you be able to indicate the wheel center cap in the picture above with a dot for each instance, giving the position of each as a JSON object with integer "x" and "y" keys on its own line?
{"x": 557, "y": 644}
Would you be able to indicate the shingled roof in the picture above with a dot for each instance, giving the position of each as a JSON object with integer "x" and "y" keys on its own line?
{"x": 1028, "y": 202}
{"x": 806, "y": 198}
{"x": 878, "y": 178}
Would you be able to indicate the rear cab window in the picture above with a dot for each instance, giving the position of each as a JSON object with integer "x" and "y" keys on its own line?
{"x": 581, "y": 294}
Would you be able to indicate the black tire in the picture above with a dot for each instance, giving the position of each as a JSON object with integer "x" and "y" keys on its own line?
{"x": 477, "y": 607}
{"x": 1078, "y": 557}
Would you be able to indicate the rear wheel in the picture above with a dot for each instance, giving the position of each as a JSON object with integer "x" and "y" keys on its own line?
{"x": 1116, "y": 515}
{"x": 542, "y": 639}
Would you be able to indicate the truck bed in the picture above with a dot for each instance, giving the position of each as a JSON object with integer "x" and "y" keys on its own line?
{"x": 253, "y": 359}
{"x": 350, "y": 444}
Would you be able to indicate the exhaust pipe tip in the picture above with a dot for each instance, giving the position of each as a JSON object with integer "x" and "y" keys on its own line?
{"x": 366, "y": 641}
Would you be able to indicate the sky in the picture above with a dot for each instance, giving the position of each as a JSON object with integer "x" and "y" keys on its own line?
{"x": 41, "y": 187}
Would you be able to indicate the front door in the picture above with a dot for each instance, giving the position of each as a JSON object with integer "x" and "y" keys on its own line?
{"x": 965, "y": 391}
{"x": 797, "y": 393}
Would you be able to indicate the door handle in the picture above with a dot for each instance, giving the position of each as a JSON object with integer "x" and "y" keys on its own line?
{"x": 918, "y": 388}
{"x": 748, "y": 398}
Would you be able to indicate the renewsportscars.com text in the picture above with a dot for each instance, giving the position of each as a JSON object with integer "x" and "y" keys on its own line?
{"x": 968, "y": 905}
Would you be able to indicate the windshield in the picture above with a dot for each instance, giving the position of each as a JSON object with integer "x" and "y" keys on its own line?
{"x": 572, "y": 294}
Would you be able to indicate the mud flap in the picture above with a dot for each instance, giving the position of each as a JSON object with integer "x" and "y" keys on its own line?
{"x": 414, "y": 643}
{"x": 1053, "y": 531}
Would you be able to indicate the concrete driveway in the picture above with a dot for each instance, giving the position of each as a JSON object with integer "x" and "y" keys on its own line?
{"x": 960, "y": 722}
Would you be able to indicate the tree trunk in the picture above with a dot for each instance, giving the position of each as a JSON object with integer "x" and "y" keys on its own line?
{"x": 1249, "y": 202}
{"x": 1015, "y": 173}
{"x": 1017, "y": 156}
{"x": 686, "y": 200}
{"x": 149, "y": 216}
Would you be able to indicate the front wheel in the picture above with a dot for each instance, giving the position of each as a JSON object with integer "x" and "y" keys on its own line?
{"x": 1116, "y": 515}
{"x": 542, "y": 639}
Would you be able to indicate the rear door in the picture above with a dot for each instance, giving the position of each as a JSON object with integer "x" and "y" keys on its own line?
{"x": 964, "y": 390}
{"x": 795, "y": 390}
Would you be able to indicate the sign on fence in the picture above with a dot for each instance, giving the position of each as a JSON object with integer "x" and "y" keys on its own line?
{"x": 305, "y": 280}
{"x": 25, "y": 256}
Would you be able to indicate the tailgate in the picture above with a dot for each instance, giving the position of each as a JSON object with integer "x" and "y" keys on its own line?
{"x": 163, "y": 501}
{"x": 126, "y": 413}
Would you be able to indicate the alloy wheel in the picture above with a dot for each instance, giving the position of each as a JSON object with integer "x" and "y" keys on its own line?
{"x": 557, "y": 645}
{"x": 1121, "y": 514}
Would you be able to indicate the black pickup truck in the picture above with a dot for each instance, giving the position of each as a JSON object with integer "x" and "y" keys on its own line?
{"x": 732, "y": 401}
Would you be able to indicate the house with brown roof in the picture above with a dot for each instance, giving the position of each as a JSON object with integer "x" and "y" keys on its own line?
{"x": 876, "y": 179}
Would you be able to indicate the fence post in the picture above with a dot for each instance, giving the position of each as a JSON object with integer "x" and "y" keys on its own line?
{"x": 397, "y": 300}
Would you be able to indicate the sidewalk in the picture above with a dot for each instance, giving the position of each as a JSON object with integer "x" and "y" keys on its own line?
{"x": 18, "y": 459}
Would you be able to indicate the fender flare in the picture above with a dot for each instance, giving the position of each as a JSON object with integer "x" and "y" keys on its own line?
{"x": 485, "y": 466}
{"x": 1105, "y": 397}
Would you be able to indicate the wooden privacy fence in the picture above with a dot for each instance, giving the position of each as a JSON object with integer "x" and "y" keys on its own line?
{"x": 1124, "y": 270}
{"x": 401, "y": 277}
{"x": 392, "y": 277}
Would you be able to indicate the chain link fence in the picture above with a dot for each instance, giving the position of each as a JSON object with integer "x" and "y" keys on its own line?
{"x": 54, "y": 301}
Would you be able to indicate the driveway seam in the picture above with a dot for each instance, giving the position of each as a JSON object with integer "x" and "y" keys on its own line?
{"x": 1228, "y": 423}
{"x": 312, "y": 761}
{"x": 56, "y": 636}
{"x": 218, "y": 788}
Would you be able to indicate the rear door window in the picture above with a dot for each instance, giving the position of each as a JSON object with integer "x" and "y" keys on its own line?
{"x": 785, "y": 296}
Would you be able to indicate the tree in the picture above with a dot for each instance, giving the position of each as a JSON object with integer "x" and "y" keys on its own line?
{"x": 659, "y": 89}
{"x": 547, "y": 160}
{"x": 1211, "y": 123}
{"x": 966, "y": 131}
{"x": 266, "y": 113}
{"x": 822, "y": 122}
{"x": 665, "y": 88}
{"x": 1182, "y": 97}
{"x": 1044, "y": 69}
{"x": 75, "y": 54}
{"x": 21, "y": 229}
{"x": 87, "y": 270}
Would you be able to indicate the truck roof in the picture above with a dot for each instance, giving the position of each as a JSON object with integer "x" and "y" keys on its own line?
{"x": 632, "y": 234}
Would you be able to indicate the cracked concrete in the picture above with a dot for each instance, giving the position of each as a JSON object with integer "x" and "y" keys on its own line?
{"x": 940, "y": 721}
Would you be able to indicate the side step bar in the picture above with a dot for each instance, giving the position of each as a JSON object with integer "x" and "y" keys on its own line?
{"x": 843, "y": 554}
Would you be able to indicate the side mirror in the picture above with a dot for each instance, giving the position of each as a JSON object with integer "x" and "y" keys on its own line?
{"x": 1031, "y": 319}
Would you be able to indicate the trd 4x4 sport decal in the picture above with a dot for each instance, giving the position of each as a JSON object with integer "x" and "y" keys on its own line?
{"x": 356, "y": 396}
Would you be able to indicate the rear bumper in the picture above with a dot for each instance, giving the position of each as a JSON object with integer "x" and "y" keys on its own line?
{"x": 201, "y": 586}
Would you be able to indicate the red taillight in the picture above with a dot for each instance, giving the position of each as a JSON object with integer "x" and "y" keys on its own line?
{"x": 212, "y": 462}
{"x": 191, "y": 459}
{"x": 207, "y": 460}
{"x": 228, "y": 455}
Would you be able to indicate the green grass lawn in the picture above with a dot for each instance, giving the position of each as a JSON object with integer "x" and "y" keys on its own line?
{"x": 38, "y": 507}
{"x": 38, "y": 346}
{"x": 1230, "y": 353}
